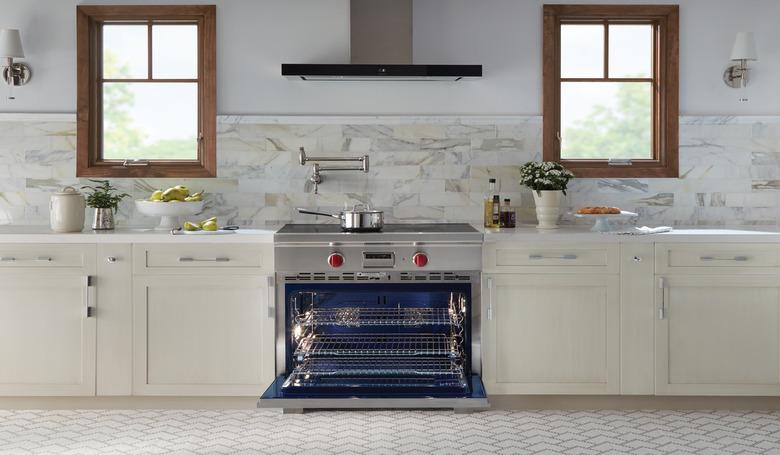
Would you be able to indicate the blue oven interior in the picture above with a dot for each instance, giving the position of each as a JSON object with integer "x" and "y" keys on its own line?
{"x": 377, "y": 340}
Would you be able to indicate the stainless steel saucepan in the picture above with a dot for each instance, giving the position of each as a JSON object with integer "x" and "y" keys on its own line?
{"x": 358, "y": 219}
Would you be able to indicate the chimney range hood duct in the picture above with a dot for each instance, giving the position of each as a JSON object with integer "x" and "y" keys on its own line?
{"x": 380, "y": 49}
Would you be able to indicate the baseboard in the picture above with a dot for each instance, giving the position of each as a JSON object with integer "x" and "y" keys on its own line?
{"x": 581, "y": 402}
{"x": 128, "y": 402}
{"x": 500, "y": 402}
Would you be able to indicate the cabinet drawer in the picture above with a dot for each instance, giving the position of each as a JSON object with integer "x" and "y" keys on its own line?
{"x": 173, "y": 259}
{"x": 716, "y": 258}
{"x": 47, "y": 256}
{"x": 515, "y": 257}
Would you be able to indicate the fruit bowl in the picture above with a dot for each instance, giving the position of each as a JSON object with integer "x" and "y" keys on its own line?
{"x": 169, "y": 212}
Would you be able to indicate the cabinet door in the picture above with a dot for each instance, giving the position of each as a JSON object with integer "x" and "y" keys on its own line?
{"x": 202, "y": 335}
{"x": 551, "y": 334}
{"x": 718, "y": 336}
{"x": 47, "y": 339}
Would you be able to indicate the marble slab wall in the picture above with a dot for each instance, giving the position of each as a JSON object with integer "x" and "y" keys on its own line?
{"x": 422, "y": 169}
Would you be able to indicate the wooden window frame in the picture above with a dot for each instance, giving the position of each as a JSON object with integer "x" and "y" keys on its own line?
{"x": 89, "y": 21}
{"x": 665, "y": 19}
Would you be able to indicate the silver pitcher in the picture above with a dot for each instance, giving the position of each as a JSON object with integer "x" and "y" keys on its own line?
{"x": 104, "y": 219}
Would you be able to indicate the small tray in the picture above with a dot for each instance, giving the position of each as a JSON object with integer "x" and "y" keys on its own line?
{"x": 602, "y": 223}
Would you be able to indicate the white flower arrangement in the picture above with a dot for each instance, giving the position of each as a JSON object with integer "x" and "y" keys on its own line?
{"x": 545, "y": 176}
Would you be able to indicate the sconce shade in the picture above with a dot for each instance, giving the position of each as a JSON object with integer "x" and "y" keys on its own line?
{"x": 10, "y": 43}
{"x": 744, "y": 47}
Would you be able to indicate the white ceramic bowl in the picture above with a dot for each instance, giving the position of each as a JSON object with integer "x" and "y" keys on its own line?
{"x": 169, "y": 212}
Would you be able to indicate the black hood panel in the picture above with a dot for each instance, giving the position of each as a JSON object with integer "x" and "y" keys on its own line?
{"x": 362, "y": 72}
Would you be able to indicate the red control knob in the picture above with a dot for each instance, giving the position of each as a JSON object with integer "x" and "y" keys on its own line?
{"x": 420, "y": 259}
{"x": 335, "y": 260}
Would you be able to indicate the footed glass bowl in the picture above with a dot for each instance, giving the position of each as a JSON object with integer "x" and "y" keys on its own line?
{"x": 603, "y": 220}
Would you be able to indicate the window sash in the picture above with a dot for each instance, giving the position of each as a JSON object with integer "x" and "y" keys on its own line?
{"x": 653, "y": 80}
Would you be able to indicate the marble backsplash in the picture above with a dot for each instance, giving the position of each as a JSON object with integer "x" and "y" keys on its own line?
{"x": 422, "y": 169}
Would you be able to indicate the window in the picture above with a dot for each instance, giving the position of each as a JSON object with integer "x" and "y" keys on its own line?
{"x": 611, "y": 89}
{"x": 146, "y": 79}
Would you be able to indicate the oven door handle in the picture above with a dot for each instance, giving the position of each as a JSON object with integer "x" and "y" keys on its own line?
{"x": 490, "y": 298}
{"x": 271, "y": 297}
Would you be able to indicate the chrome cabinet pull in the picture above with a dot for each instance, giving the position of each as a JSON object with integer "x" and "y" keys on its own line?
{"x": 490, "y": 299}
{"x": 568, "y": 257}
{"x": 191, "y": 259}
{"x": 35, "y": 259}
{"x": 662, "y": 307}
{"x": 111, "y": 259}
{"x": 89, "y": 310}
{"x": 716, "y": 258}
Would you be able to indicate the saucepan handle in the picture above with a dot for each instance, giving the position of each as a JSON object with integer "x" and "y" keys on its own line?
{"x": 311, "y": 212}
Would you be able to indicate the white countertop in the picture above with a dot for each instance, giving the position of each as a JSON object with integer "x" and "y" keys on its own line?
{"x": 42, "y": 234}
{"x": 577, "y": 234}
{"x": 525, "y": 233}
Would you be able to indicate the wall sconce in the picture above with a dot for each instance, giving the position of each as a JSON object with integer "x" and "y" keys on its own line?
{"x": 736, "y": 76}
{"x": 14, "y": 74}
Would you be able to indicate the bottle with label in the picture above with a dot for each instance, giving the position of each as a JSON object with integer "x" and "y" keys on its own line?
{"x": 488, "y": 203}
{"x": 508, "y": 215}
{"x": 496, "y": 218}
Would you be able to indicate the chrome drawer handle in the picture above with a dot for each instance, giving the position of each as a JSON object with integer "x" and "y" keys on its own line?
{"x": 36, "y": 259}
{"x": 190, "y": 259}
{"x": 714, "y": 258}
{"x": 568, "y": 257}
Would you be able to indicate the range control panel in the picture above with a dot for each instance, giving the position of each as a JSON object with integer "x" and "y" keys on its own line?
{"x": 348, "y": 258}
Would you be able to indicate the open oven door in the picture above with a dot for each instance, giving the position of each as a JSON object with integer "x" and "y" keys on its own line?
{"x": 338, "y": 397}
{"x": 398, "y": 345}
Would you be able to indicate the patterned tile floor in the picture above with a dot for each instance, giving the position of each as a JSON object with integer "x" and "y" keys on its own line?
{"x": 388, "y": 432}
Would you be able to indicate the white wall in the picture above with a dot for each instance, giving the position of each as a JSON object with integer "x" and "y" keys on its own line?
{"x": 255, "y": 36}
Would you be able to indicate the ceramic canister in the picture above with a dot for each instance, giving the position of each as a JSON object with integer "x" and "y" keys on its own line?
{"x": 66, "y": 210}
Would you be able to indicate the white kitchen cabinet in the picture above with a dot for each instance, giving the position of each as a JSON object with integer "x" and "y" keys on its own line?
{"x": 551, "y": 334}
{"x": 47, "y": 328}
{"x": 203, "y": 335}
{"x": 717, "y": 335}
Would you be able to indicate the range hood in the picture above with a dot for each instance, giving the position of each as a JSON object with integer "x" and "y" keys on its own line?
{"x": 380, "y": 49}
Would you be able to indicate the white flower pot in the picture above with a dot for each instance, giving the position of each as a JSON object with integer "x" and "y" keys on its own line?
{"x": 548, "y": 208}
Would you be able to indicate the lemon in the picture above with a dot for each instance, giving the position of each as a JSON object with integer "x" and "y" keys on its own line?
{"x": 209, "y": 226}
{"x": 156, "y": 196}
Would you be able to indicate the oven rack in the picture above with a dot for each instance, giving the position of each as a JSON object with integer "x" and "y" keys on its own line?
{"x": 415, "y": 366}
{"x": 405, "y": 317}
{"x": 389, "y": 345}
{"x": 313, "y": 382}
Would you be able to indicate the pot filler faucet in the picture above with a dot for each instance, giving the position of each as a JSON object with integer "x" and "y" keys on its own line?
{"x": 316, "y": 176}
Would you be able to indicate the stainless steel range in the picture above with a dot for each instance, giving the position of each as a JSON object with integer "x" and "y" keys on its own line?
{"x": 385, "y": 319}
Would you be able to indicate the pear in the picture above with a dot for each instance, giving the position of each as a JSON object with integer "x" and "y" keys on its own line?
{"x": 189, "y": 226}
{"x": 172, "y": 194}
{"x": 209, "y": 226}
{"x": 183, "y": 189}
{"x": 156, "y": 196}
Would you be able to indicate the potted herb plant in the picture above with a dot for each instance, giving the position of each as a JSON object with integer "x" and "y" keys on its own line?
{"x": 548, "y": 180}
{"x": 104, "y": 199}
